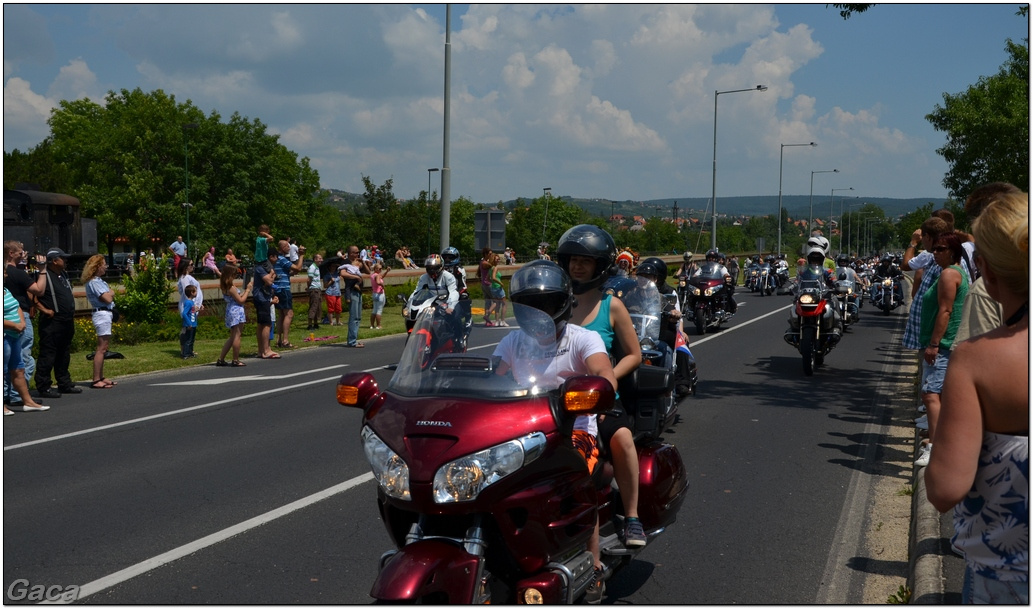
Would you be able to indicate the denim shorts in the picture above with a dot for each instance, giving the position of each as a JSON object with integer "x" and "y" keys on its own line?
{"x": 498, "y": 293}
{"x": 286, "y": 299}
{"x": 12, "y": 353}
{"x": 933, "y": 374}
{"x": 378, "y": 303}
{"x": 981, "y": 590}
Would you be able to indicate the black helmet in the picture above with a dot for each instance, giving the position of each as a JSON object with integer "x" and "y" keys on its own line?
{"x": 593, "y": 242}
{"x": 433, "y": 264}
{"x": 450, "y": 256}
{"x": 712, "y": 255}
{"x": 887, "y": 258}
{"x": 654, "y": 267}
{"x": 842, "y": 260}
{"x": 543, "y": 285}
{"x": 769, "y": 259}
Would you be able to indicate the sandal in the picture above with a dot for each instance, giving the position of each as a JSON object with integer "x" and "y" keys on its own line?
{"x": 237, "y": 363}
{"x": 284, "y": 345}
{"x": 101, "y": 385}
{"x": 273, "y": 356}
{"x": 221, "y": 362}
{"x": 111, "y": 382}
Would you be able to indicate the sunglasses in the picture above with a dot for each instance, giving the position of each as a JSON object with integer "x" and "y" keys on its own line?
{"x": 941, "y": 248}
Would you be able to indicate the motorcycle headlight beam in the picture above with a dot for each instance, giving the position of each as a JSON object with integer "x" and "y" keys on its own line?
{"x": 464, "y": 478}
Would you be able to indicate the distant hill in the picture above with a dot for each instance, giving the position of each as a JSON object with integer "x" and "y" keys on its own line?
{"x": 798, "y": 206}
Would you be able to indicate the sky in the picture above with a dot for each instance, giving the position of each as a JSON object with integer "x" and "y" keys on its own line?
{"x": 613, "y": 101}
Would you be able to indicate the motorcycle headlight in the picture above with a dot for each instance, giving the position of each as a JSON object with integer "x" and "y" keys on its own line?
{"x": 464, "y": 478}
{"x": 887, "y": 282}
{"x": 695, "y": 291}
{"x": 709, "y": 292}
{"x": 807, "y": 299}
{"x": 389, "y": 469}
{"x": 681, "y": 284}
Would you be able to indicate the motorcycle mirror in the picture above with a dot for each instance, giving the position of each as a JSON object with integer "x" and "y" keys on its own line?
{"x": 356, "y": 389}
{"x": 587, "y": 395}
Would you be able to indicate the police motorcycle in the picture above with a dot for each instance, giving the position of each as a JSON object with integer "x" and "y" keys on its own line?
{"x": 478, "y": 483}
{"x": 709, "y": 292}
{"x": 814, "y": 327}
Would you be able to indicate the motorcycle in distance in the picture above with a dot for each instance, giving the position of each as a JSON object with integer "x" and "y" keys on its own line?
{"x": 479, "y": 485}
{"x": 766, "y": 283}
{"x": 887, "y": 293}
{"x": 813, "y": 326}
{"x": 708, "y": 292}
{"x": 424, "y": 301}
{"x": 648, "y": 393}
{"x": 847, "y": 297}
{"x": 751, "y": 275}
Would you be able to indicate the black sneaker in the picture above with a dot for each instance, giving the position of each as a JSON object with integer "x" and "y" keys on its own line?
{"x": 70, "y": 389}
{"x": 49, "y": 392}
{"x": 634, "y": 536}
{"x": 597, "y": 589}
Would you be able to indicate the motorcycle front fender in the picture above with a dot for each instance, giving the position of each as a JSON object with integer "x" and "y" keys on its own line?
{"x": 441, "y": 570}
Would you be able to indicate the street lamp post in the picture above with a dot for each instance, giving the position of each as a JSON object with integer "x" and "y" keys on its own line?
{"x": 832, "y": 204}
{"x": 429, "y": 171}
{"x": 810, "y": 218}
{"x": 547, "y": 194}
{"x": 778, "y": 217}
{"x": 186, "y": 174}
{"x": 849, "y": 234}
{"x": 713, "y": 183}
{"x": 868, "y": 235}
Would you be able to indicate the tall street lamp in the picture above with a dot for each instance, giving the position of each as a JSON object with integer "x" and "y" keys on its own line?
{"x": 782, "y": 148}
{"x": 547, "y": 194}
{"x": 186, "y": 174}
{"x": 832, "y": 203}
{"x": 810, "y": 218}
{"x": 713, "y": 183}
{"x": 429, "y": 171}
{"x": 849, "y": 234}
{"x": 868, "y": 235}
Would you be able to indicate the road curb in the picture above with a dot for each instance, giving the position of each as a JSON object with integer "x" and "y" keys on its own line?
{"x": 926, "y": 564}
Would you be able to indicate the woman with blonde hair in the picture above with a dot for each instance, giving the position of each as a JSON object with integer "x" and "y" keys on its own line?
{"x": 102, "y": 300}
{"x": 981, "y": 464}
{"x": 235, "y": 300}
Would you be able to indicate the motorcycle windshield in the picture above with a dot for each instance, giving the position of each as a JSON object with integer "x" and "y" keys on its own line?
{"x": 710, "y": 270}
{"x": 435, "y": 362}
{"x": 645, "y": 305}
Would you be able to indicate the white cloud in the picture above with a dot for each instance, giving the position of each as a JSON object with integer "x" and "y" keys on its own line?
{"x": 76, "y": 81}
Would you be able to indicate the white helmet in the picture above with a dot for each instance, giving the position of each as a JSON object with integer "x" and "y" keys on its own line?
{"x": 817, "y": 241}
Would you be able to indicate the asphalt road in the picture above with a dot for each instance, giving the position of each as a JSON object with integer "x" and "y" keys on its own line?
{"x": 229, "y": 486}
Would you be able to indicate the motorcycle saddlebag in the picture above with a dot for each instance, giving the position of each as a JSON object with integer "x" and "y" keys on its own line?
{"x": 662, "y": 484}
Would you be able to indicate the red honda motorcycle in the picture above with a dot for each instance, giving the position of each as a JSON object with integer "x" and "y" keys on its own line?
{"x": 479, "y": 485}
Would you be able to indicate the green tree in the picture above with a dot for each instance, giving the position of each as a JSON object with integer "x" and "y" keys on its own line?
{"x": 525, "y": 231}
{"x": 38, "y": 167}
{"x": 128, "y": 162}
{"x": 987, "y": 128}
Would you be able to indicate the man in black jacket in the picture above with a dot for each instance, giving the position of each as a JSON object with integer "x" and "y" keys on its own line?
{"x": 56, "y": 327}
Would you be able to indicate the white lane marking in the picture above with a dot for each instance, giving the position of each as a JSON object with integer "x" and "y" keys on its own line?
{"x": 250, "y": 377}
{"x": 734, "y": 328}
{"x": 238, "y": 398}
{"x": 162, "y": 559}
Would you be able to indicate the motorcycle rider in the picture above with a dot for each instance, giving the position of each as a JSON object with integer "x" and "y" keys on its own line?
{"x": 846, "y": 274}
{"x": 587, "y": 254}
{"x": 888, "y": 269}
{"x": 442, "y": 285}
{"x": 688, "y": 268}
{"x": 816, "y": 257}
{"x": 543, "y": 285}
{"x": 450, "y": 257}
{"x": 655, "y": 270}
{"x": 733, "y": 270}
{"x": 782, "y": 270}
{"x": 719, "y": 270}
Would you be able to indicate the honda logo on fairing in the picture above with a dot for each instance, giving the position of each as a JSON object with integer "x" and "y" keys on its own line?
{"x": 433, "y": 424}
